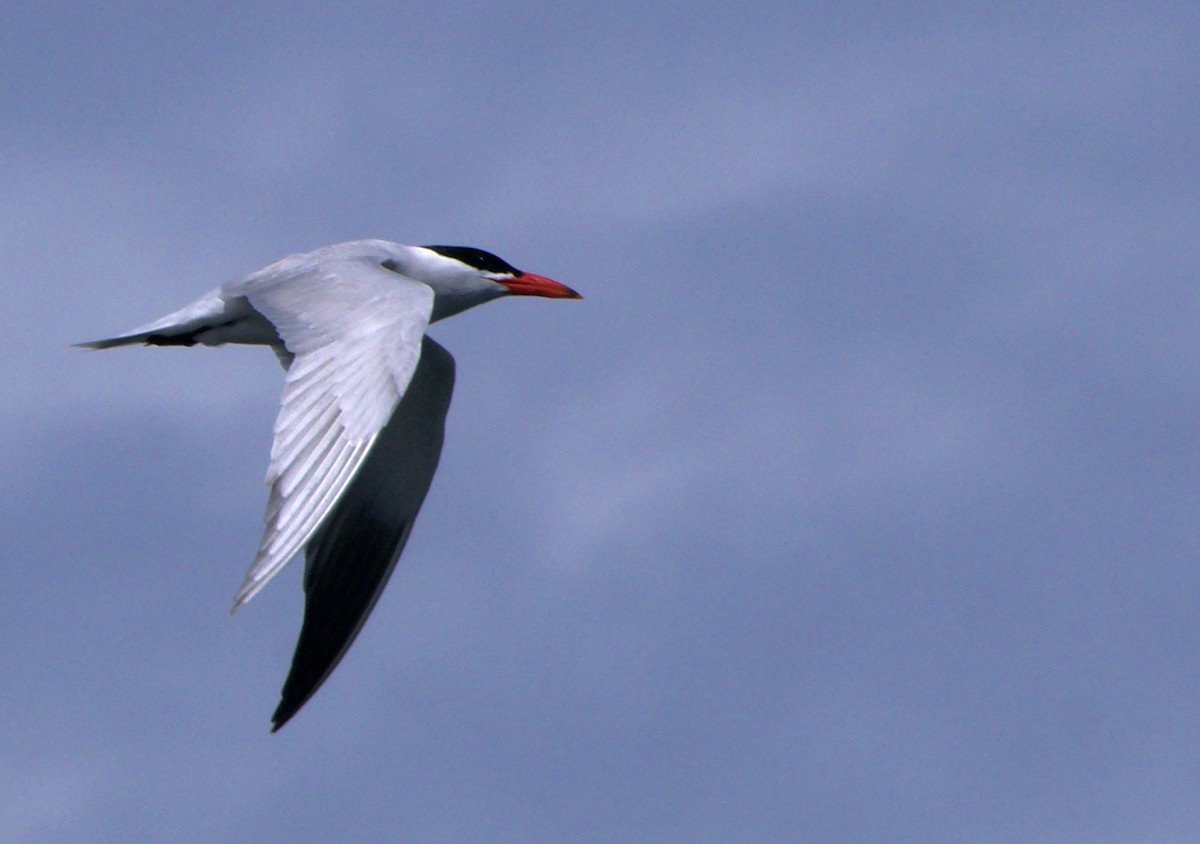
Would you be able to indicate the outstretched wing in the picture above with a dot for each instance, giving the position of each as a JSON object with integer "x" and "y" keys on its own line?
{"x": 349, "y": 560}
{"x": 352, "y": 331}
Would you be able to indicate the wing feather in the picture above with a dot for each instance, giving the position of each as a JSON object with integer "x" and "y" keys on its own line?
{"x": 353, "y": 553}
{"x": 354, "y": 332}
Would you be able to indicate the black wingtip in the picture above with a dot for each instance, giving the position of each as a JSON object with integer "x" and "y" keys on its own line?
{"x": 283, "y": 713}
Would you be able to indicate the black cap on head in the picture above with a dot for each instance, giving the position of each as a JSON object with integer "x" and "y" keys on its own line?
{"x": 477, "y": 258}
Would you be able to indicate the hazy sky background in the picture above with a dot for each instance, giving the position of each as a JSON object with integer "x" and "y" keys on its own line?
{"x": 858, "y": 501}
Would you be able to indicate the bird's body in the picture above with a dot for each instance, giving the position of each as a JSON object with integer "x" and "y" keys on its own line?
{"x": 359, "y": 433}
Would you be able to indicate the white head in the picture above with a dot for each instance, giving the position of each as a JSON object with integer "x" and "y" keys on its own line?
{"x": 462, "y": 277}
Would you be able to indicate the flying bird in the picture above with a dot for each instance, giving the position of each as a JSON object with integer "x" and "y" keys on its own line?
{"x": 363, "y": 413}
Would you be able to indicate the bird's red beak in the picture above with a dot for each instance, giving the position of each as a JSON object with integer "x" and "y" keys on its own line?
{"x": 528, "y": 284}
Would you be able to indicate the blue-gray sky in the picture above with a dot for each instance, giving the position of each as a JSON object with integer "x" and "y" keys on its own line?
{"x": 858, "y": 500}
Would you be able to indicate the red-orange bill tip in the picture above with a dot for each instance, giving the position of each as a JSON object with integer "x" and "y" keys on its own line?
{"x": 529, "y": 284}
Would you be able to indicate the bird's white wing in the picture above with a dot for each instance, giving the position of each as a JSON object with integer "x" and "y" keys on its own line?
{"x": 353, "y": 553}
{"x": 353, "y": 330}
